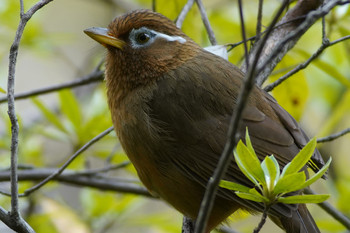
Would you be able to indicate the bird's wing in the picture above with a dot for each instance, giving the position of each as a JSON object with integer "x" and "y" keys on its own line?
{"x": 196, "y": 110}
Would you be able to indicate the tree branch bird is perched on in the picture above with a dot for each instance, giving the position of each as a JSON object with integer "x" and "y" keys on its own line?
{"x": 171, "y": 103}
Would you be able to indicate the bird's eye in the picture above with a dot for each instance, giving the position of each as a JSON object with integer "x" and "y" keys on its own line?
{"x": 142, "y": 38}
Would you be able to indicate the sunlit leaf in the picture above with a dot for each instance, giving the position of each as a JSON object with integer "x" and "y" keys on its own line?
{"x": 304, "y": 199}
{"x": 271, "y": 170}
{"x": 249, "y": 164}
{"x": 233, "y": 186}
{"x": 252, "y": 197}
{"x": 289, "y": 183}
{"x": 300, "y": 159}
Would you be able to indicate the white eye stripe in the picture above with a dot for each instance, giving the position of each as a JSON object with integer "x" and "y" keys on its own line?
{"x": 169, "y": 38}
{"x": 152, "y": 36}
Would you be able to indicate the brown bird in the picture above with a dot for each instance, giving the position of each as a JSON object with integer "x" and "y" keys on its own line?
{"x": 171, "y": 102}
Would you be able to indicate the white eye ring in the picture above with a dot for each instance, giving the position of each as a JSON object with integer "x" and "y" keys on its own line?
{"x": 149, "y": 36}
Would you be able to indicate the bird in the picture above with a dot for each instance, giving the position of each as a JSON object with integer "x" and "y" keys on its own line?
{"x": 171, "y": 102}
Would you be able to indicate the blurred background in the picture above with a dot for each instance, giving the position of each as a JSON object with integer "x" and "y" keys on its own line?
{"x": 53, "y": 126}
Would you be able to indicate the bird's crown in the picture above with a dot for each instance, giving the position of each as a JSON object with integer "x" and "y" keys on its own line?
{"x": 123, "y": 25}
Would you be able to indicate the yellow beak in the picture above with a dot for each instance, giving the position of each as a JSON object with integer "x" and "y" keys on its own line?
{"x": 102, "y": 37}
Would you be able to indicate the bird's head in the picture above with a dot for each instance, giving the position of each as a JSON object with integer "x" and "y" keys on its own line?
{"x": 142, "y": 46}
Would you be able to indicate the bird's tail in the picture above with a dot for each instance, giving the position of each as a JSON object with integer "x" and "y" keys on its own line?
{"x": 300, "y": 222}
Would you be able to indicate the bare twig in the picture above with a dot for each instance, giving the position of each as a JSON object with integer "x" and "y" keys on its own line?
{"x": 154, "y": 2}
{"x": 262, "y": 220}
{"x": 104, "y": 169}
{"x": 75, "y": 178}
{"x": 206, "y": 22}
{"x": 232, "y": 138}
{"x": 325, "y": 44}
{"x": 18, "y": 223}
{"x": 244, "y": 37}
{"x": 95, "y": 76}
{"x": 183, "y": 13}
{"x": 336, "y": 214}
{"x": 69, "y": 161}
{"x": 259, "y": 19}
{"x": 333, "y": 136}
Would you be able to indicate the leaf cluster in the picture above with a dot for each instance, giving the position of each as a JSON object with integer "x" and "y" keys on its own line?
{"x": 272, "y": 185}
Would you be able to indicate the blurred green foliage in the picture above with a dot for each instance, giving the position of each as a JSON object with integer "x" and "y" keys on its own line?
{"x": 317, "y": 96}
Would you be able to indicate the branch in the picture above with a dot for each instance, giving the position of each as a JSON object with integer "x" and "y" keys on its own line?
{"x": 16, "y": 222}
{"x": 183, "y": 13}
{"x": 69, "y": 161}
{"x": 259, "y": 19}
{"x": 333, "y": 136}
{"x": 300, "y": 9}
{"x": 232, "y": 138}
{"x": 325, "y": 44}
{"x": 262, "y": 220}
{"x": 79, "y": 179}
{"x": 206, "y": 22}
{"x": 284, "y": 44}
{"x": 244, "y": 37}
{"x": 95, "y": 76}
{"x": 336, "y": 214}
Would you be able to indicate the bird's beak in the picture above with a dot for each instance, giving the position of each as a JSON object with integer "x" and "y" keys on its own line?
{"x": 101, "y": 36}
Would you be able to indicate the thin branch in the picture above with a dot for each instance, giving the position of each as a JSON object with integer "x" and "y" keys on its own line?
{"x": 244, "y": 37}
{"x": 95, "y": 76}
{"x": 18, "y": 223}
{"x": 104, "y": 169}
{"x": 262, "y": 220}
{"x": 325, "y": 44}
{"x": 233, "y": 45}
{"x": 154, "y": 2}
{"x": 74, "y": 178}
{"x": 259, "y": 20}
{"x": 324, "y": 34}
{"x": 69, "y": 161}
{"x": 336, "y": 214}
{"x": 206, "y": 22}
{"x": 333, "y": 136}
{"x": 183, "y": 13}
{"x": 232, "y": 138}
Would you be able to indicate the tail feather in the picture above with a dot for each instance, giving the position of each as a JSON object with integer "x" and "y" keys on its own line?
{"x": 300, "y": 222}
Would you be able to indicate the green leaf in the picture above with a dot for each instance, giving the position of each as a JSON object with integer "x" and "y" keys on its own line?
{"x": 300, "y": 159}
{"x": 71, "y": 108}
{"x": 252, "y": 197}
{"x": 318, "y": 175}
{"x": 271, "y": 170}
{"x": 249, "y": 164}
{"x": 290, "y": 183}
{"x": 248, "y": 143}
{"x": 304, "y": 199}
{"x": 50, "y": 116}
{"x": 233, "y": 186}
